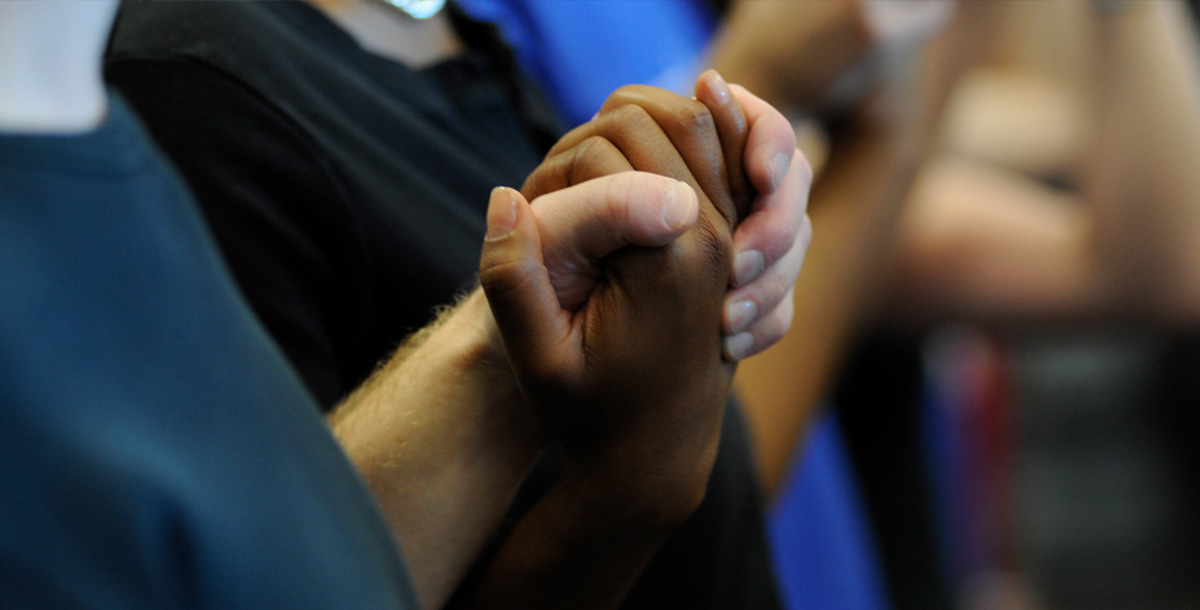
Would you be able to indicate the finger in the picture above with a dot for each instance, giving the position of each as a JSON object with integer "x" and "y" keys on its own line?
{"x": 762, "y": 334}
{"x": 517, "y": 285}
{"x": 634, "y": 134}
{"x": 732, "y": 128}
{"x": 770, "y": 143}
{"x": 746, "y": 305}
{"x": 593, "y": 157}
{"x": 774, "y": 222}
{"x": 691, "y": 130}
{"x": 582, "y": 224}
{"x": 600, "y": 216}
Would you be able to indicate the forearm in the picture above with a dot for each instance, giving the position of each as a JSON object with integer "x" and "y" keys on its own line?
{"x": 776, "y": 68}
{"x": 990, "y": 245}
{"x": 631, "y": 384}
{"x": 1141, "y": 176}
{"x": 583, "y": 545}
{"x": 856, "y": 207}
{"x": 443, "y": 438}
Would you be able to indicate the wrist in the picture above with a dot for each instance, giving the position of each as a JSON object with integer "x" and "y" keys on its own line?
{"x": 457, "y": 362}
{"x": 468, "y": 343}
{"x": 646, "y": 493}
{"x": 477, "y": 337}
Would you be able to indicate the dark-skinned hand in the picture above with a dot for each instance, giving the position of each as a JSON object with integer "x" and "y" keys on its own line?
{"x": 623, "y": 363}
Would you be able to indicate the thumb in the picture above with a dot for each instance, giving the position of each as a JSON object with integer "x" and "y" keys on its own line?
{"x": 582, "y": 224}
{"x": 595, "y": 218}
{"x": 514, "y": 279}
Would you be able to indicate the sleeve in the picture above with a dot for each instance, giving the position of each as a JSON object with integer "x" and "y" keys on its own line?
{"x": 276, "y": 207}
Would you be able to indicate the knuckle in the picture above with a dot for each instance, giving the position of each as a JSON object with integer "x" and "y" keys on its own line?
{"x": 630, "y": 118}
{"x": 550, "y": 176}
{"x": 620, "y": 193}
{"x": 698, "y": 264}
{"x": 696, "y": 118}
{"x": 538, "y": 183}
{"x": 622, "y": 95}
{"x": 771, "y": 329}
{"x": 589, "y": 159}
{"x": 771, "y": 287}
{"x": 567, "y": 139}
{"x": 716, "y": 246}
{"x": 503, "y": 275}
{"x": 790, "y": 265}
{"x": 507, "y": 284}
{"x": 778, "y": 239}
{"x": 775, "y": 238}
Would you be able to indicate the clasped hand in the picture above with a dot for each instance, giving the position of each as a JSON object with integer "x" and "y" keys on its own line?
{"x": 612, "y": 291}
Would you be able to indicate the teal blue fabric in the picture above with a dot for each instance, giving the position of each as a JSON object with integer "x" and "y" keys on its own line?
{"x": 155, "y": 449}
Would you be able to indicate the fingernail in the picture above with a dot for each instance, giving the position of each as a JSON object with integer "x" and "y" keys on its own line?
{"x": 778, "y": 167}
{"x": 738, "y": 346}
{"x": 678, "y": 205}
{"x": 747, "y": 266}
{"x": 740, "y": 314}
{"x": 501, "y": 213}
{"x": 720, "y": 88}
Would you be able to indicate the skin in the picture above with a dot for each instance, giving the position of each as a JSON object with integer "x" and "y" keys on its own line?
{"x": 442, "y": 433}
{"x": 1119, "y": 247}
{"x": 857, "y": 202}
{"x": 426, "y": 464}
{"x": 976, "y": 240}
{"x": 612, "y": 504}
{"x": 847, "y": 45}
{"x": 765, "y": 251}
{"x": 772, "y": 190}
{"x": 860, "y": 197}
{"x": 636, "y": 462}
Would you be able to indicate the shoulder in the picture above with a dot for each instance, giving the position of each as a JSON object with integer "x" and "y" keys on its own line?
{"x": 230, "y": 35}
{"x": 156, "y": 28}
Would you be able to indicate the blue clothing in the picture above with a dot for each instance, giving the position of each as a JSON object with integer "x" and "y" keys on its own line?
{"x": 580, "y": 51}
{"x": 821, "y": 542}
{"x": 155, "y": 449}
